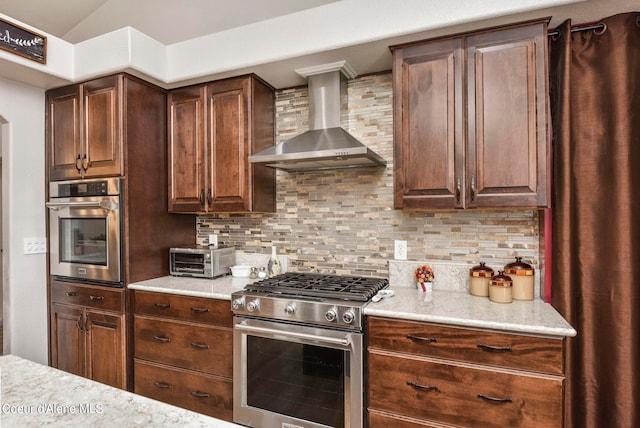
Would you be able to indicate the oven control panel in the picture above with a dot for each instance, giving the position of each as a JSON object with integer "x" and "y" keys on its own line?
{"x": 309, "y": 311}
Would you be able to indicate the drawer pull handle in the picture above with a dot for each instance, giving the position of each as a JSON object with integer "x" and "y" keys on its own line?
{"x": 162, "y": 339}
{"x": 200, "y": 345}
{"x": 199, "y": 394}
{"x": 423, "y": 387}
{"x": 71, "y": 293}
{"x": 162, "y": 305}
{"x": 199, "y": 310}
{"x": 96, "y": 298}
{"x": 493, "y": 348}
{"x": 422, "y": 339}
{"x": 495, "y": 400}
{"x": 163, "y": 385}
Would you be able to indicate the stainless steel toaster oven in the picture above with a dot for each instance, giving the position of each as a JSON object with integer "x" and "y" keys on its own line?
{"x": 201, "y": 262}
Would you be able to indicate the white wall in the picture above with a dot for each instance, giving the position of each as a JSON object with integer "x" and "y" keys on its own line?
{"x": 23, "y": 197}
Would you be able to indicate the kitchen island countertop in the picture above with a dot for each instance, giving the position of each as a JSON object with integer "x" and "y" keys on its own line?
{"x": 34, "y": 395}
{"x": 446, "y": 307}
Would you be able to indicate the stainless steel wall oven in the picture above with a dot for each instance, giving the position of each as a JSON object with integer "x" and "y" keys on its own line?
{"x": 298, "y": 351}
{"x": 85, "y": 229}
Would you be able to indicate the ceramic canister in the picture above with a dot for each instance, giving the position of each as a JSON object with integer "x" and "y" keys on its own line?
{"x": 500, "y": 288}
{"x": 479, "y": 277}
{"x": 522, "y": 275}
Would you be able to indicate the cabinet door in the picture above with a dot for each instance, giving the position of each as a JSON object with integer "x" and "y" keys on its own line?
{"x": 429, "y": 146}
{"x": 67, "y": 339}
{"x": 105, "y": 348}
{"x": 227, "y": 135}
{"x": 63, "y": 132}
{"x": 507, "y": 112}
{"x": 186, "y": 150}
{"x": 102, "y": 127}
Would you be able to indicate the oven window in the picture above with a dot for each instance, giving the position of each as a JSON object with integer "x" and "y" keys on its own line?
{"x": 302, "y": 381}
{"x": 83, "y": 240}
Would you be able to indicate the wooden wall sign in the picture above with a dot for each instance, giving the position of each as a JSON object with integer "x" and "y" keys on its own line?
{"x": 23, "y": 42}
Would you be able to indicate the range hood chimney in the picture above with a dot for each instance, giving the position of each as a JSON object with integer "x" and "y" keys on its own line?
{"x": 326, "y": 145}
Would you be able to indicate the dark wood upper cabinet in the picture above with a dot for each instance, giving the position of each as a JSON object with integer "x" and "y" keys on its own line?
{"x": 470, "y": 116}
{"x": 213, "y": 128}
{"x": 186, "y": 149}
{"x": 84, "y": 129}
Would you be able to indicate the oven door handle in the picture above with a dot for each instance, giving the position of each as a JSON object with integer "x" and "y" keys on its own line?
{"x": 107, "y": 205}
{"x": 344, "y": 341}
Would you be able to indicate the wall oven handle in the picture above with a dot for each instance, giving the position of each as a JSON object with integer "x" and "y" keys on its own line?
{"x": 345, "y": 341}
{"x": 107, "y": 205}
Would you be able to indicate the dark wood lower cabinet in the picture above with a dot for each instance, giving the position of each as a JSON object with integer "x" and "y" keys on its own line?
{"x": 200, "y": 392}
{"x": 89, "y": 343}
{"x": 428, "y": 375}
{"x": 183, "y": 349}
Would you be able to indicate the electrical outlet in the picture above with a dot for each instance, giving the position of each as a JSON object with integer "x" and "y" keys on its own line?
{"x": 213, "y": 240}
{"x": 35, "y": 245}
{"x": 400, "y": 250}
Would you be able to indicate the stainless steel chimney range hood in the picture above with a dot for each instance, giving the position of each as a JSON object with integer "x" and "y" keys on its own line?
{"x": 326, "y": 145}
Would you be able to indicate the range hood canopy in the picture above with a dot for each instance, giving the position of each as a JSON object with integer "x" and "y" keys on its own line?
{"x": 326, "y": 145}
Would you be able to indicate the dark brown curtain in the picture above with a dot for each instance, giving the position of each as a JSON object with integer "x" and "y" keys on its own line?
{"x": 595, "y": 108}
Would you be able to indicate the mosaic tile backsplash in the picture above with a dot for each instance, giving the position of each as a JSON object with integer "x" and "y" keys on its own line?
{"x": 343, "y": 221}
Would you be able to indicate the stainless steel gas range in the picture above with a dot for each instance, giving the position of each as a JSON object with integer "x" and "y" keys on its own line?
{"x": 298, "y": 350}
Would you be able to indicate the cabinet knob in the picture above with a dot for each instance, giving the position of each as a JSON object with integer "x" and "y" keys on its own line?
{"x": 458, "y": 189}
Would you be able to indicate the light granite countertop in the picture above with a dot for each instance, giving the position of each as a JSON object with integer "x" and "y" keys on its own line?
{"x": 451, "y": 307}
{"x": 218, "y": 288}
{"x": 462, "y": 309}
{"x": 34, "y": 395}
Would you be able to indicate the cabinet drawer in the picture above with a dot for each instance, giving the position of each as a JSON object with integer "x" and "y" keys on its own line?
{"x": 187, "y": 345}
{"x": 533, "y": 353}
{"x": 463, "y": 394}
{"x": 196, "y": 309}
{"x": 210, "y": 395}
{"x": 93, "y": 296}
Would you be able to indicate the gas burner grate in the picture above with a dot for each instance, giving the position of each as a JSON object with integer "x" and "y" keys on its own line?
{"x": 341, "y": 287}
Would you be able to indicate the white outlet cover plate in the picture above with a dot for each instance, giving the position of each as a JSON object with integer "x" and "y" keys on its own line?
{"x": 400, "y": 249}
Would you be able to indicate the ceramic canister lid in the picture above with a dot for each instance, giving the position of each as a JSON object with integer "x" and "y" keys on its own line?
{"x": 501, "y": 280}
{"x": 518, "y": 268}
{"x": 481, "y": 271}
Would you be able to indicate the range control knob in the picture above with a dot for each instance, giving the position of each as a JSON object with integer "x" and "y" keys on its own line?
{"x": 348, "y": 316}
{"x": 253, "y": 306}
{"x": 290, "y": 309}
{"x": 331, "y": 315}
{"x": 237, "y": 303}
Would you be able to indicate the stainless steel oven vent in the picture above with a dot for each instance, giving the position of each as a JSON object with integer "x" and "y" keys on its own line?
{"x": 326, "y": 145}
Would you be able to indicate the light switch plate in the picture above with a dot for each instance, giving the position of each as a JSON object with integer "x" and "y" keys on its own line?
{"x": 35, "y": 245}
{"x": 213, "y": 239}
{"x": 400, "y": 250}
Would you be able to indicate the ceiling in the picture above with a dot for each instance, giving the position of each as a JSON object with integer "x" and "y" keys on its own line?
{"x": 174, "y": 21}
{"x": 167, "y": 21}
